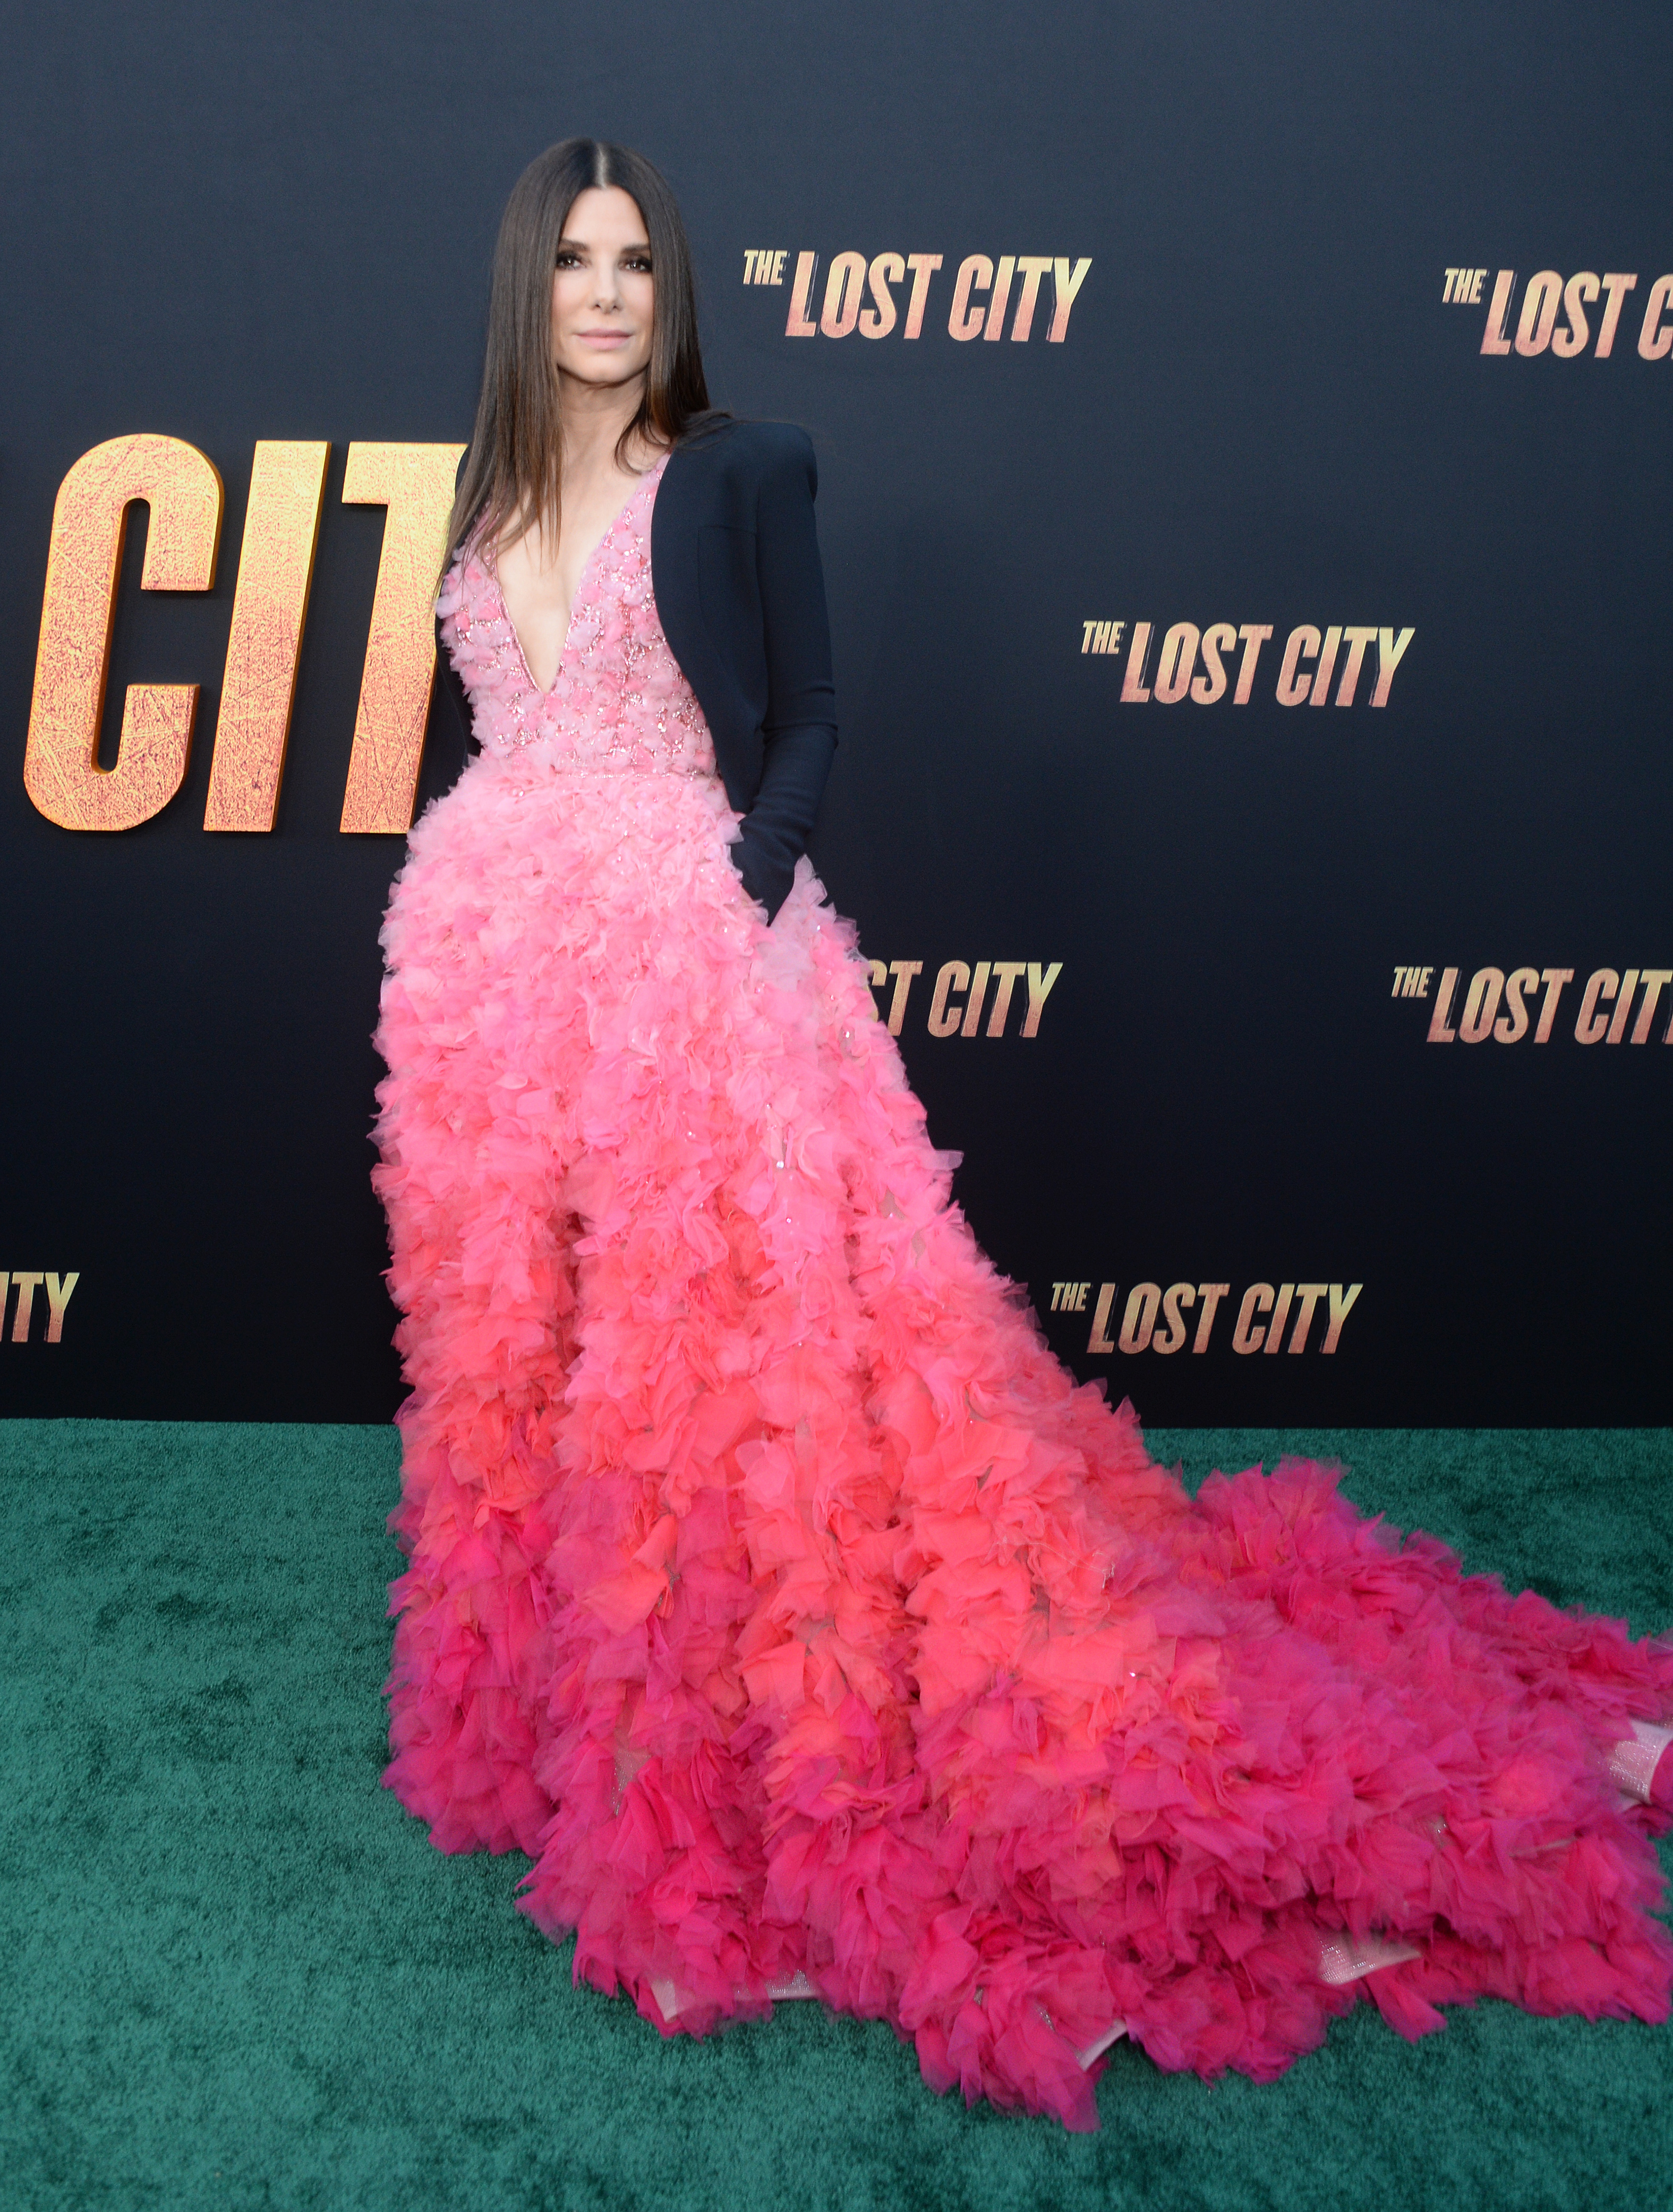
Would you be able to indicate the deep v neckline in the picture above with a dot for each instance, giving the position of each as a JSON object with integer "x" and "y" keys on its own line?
{"x": 652, "y": 476}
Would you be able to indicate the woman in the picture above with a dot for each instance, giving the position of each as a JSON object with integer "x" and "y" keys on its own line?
{"x": 771, "y": 1585}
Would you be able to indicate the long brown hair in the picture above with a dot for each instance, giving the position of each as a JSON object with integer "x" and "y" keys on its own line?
{"x": 513, "y": 470}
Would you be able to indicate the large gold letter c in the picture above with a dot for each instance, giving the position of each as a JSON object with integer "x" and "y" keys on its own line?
{"x": 61, "y": 771}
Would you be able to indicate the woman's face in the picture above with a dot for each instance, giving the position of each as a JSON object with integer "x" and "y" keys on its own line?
{"x": 603, "y": 295}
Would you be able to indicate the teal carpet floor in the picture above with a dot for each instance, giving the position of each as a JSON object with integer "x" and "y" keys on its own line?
{"x": 236, "y": 1974}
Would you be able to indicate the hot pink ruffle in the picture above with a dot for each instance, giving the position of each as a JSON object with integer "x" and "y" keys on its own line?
{"x": 774, "y": 1587}
{"x": 775, "y": 1590}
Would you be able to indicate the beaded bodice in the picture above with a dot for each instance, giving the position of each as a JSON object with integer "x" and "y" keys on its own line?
{"x": 619, "y": 701}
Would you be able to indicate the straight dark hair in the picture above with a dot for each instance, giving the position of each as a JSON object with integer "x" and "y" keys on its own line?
{"x": 513, "y": 470}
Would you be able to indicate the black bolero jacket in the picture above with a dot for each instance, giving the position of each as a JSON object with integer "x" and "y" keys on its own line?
{"x": 740, "y": 595}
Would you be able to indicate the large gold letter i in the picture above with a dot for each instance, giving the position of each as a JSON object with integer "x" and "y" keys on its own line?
{"x": 275, "y": 566}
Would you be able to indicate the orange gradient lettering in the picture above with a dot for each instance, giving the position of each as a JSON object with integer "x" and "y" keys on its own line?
{"x": 944, "y": 1019}
{"x": 1439, "y": 1032}
{"x": 995, "y": 325}
{"x": 1616, "y": 286}
{"x": 1178, "y": 661}
{"x": 878, "y": 320}
{"x": 1134, "y": 688}
{"x": 1040, "y": 980}
{"x": 1655, "y": 980}
{"x": 976, "y": 274}
{"x": 1390, "y": 652}
{"x": 1513, "y": 1022}
{"x": 1590, "y": 1026}
{"x": 58, "y": 1292}
{"x": 1211, "y": 1294}
{"x": 1176, "y": 1296}
{"x": 844, "y": 288}
{"x": 1295, "y": 682}
{"x": 1006, "y": 973}
{"x": 1581, "y": 288}
{"x": 972, "y": 1021}
{"x": 1217, "y": 639}
{"x": 1655, "y": 339}
{"x": 415, "y": 483}
{"x": 923, "y": 267}
{"x": 1493, "y": 338}
{"x": 61, "y": 773}
{"x": 1623, "y": 1006}
{"x": 1280, "y": 1314}
{"x": 799, "y": 323}
{"x": 1253, "y": 636}
{"x": 1309, "y": 1295}
{"x": 902, "y": 971}
{"x": 1356, "y": 640}
{"x": 1480, "y": 1005}
{"x": 1256, "y": 1299}
{"x": 1554, "y": 979}
{"x": 1539, "y": 313}
{"x": 1031, "y": 267}
{"x": 1341, "y": 1304}
{"x": 1067, "y": 283}
{"x": 275, "y": 568}
{"x": 1139, "y": 1321}
{"x": 1320, "y": 693}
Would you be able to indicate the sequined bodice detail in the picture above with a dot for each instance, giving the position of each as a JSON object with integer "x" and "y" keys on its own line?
{"x": 619, "y": 701}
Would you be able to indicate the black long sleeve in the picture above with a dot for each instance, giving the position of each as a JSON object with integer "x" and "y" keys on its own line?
{"x": 799, "y": 730}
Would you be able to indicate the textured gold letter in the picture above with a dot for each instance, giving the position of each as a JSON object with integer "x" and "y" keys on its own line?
{"x": 415, "y": 483}
{"x": 61, "y": 770}
{"x": 281, "y": 527}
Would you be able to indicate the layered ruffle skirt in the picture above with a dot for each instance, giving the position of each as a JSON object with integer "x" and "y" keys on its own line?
{"x": 774, "y": 1587}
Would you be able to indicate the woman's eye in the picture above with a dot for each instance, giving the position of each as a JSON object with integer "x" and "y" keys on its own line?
{"x": 568, "y": 261}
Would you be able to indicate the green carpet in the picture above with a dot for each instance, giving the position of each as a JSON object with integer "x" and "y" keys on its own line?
{"x": 236, "y": 1974}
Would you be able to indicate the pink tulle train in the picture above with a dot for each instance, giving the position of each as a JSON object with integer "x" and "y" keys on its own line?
{"x": 775, "y": 1588}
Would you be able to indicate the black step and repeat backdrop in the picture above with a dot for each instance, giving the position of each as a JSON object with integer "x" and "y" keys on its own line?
{"x": 1244, "y": 452}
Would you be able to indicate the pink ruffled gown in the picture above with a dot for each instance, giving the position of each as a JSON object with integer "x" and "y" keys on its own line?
{"x": 774, "y": 1587}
